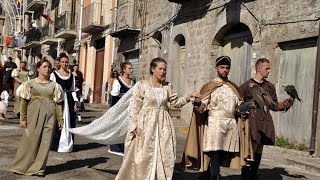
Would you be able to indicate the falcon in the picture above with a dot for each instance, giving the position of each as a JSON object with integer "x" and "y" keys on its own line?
{"x": 292, "y": 92}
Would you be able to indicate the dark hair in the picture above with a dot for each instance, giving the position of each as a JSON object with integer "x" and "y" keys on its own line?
{"x": 40, "y": 63}
{"x": 57, "y": 59}
{"x": 23, "y": 62}
{"x": 74, "y": 61}
{"x": 63, "y": 55}
{"x": 260, "y": 61}
{"x": 10, "y": 58}
{"x": 124, "y": 65}
{"x": 154, "y": 63}
{"x": 112, "y": 74}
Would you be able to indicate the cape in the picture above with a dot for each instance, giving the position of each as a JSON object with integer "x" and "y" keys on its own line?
{"x": 193, "y": 156}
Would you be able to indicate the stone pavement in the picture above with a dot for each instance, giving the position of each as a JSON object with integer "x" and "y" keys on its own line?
{"x": 91, "y": 160}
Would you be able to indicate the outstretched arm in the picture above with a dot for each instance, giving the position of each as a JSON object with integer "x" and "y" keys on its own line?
{"x": 178, "y": 102}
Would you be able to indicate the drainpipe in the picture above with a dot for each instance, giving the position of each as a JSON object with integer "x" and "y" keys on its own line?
{"x": 315, "y": 100}
{"x": 80, "y": 29}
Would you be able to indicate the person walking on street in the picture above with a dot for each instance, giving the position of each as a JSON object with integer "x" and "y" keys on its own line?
{"x": 41, "y": 101}
{"x": 217, "y": 114}
{"x": 119, "y": 87}
{"x": 63, "y": 139}
{"x": 20, "y": 75}
{"x": 8, "y": 67}
{"x": 263, "y": 94}
{"x": 150, "y": 146}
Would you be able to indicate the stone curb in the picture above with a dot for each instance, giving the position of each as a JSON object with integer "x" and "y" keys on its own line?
{"x": 310, "y": 167}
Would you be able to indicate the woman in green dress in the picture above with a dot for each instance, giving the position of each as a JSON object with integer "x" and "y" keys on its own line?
{"x": 40, "y": 108}
{"x": 20, "y": 75}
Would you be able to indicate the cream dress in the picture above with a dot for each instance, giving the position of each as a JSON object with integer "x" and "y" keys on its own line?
{"x": 152, "y": 153}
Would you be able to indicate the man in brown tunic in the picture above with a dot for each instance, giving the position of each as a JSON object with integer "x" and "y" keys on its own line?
{"x": 263, "y": 94}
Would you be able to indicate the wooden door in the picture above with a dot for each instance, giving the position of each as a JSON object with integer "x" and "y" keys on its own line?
{"x": 98, "y": 76}
{"x": 297, "y": 67}
{"x": 238, "y": 47}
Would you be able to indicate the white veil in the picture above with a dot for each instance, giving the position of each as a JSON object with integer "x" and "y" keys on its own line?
{"x": 112, "y": 127}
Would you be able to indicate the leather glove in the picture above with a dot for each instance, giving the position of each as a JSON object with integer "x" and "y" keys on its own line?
{"x": 286, "y": 104}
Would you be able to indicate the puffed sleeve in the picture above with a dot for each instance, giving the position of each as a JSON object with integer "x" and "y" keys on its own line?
{"x": 176, "y": 101}
{"x": 58, "y": 98}
{"x": 58, "y": 93}
{"x": 15, "y": 73}
{"x": 136, "y": 104}
{"x": 24, "y": 91}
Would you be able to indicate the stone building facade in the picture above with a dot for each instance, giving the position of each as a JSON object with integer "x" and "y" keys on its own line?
{"x": 191, "y": 34}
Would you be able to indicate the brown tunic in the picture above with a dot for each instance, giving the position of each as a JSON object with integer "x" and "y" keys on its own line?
{"x": 261, "y": 123}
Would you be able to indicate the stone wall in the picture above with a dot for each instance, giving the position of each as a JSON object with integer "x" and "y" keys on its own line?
{"x": 203, "y": 26}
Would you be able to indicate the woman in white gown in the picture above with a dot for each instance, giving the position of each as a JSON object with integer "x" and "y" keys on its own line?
{"x": 150, "y": 146}
{"x": 145, "y": 125}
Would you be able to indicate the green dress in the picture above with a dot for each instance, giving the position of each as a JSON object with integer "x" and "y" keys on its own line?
{"x": 22, "y": 76}
{"x": 40, "y": 107}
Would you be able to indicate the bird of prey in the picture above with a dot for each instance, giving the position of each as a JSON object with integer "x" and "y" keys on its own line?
{"x": 292, "y": 92}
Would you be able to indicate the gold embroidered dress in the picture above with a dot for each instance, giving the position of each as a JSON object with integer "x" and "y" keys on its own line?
{"x": 221, "y": 131}
{"x": 152, "y": 153}
{"x": 40, "y": 107}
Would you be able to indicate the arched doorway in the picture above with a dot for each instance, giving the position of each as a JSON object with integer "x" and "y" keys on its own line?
{"x": 236, "y": 42}
{"x": 179, "y": 69}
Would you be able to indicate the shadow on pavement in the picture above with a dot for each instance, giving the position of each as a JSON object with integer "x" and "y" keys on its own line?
{"x": 274, "y": 174}
{"x": 184, "y": 174}
{"x": 88, "y": 117}
{"x": 82, "y": 147}
{"x": 75, "y": 164}
{"x": 109, "y": 171}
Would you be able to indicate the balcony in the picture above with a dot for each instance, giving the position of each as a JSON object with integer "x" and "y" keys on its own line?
{"x": 125, "y": 20}
{"x": 47, "y": 34}
{"x": 178, "y": 1}
{"x": 32, "y": 39}
{"x": 94, "y": 20}
{"x": 66, "y": 25}
{"x": 33, "y": 5}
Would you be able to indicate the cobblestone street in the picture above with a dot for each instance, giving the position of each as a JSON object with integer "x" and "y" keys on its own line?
{"x": 92, "y": 161}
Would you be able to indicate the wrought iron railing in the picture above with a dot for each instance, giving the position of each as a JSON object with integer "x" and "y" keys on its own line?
{"x": 66, "y": 21}
{"x": 94, "y": 14}
{"x": 33, "y": 34}
{"x": 47, "y": 31}
{"x": 44, "y": 31}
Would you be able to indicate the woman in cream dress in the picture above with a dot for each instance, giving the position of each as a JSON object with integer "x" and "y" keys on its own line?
{"x": 40, "y": 108}
{"x": 150, "y": 146}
